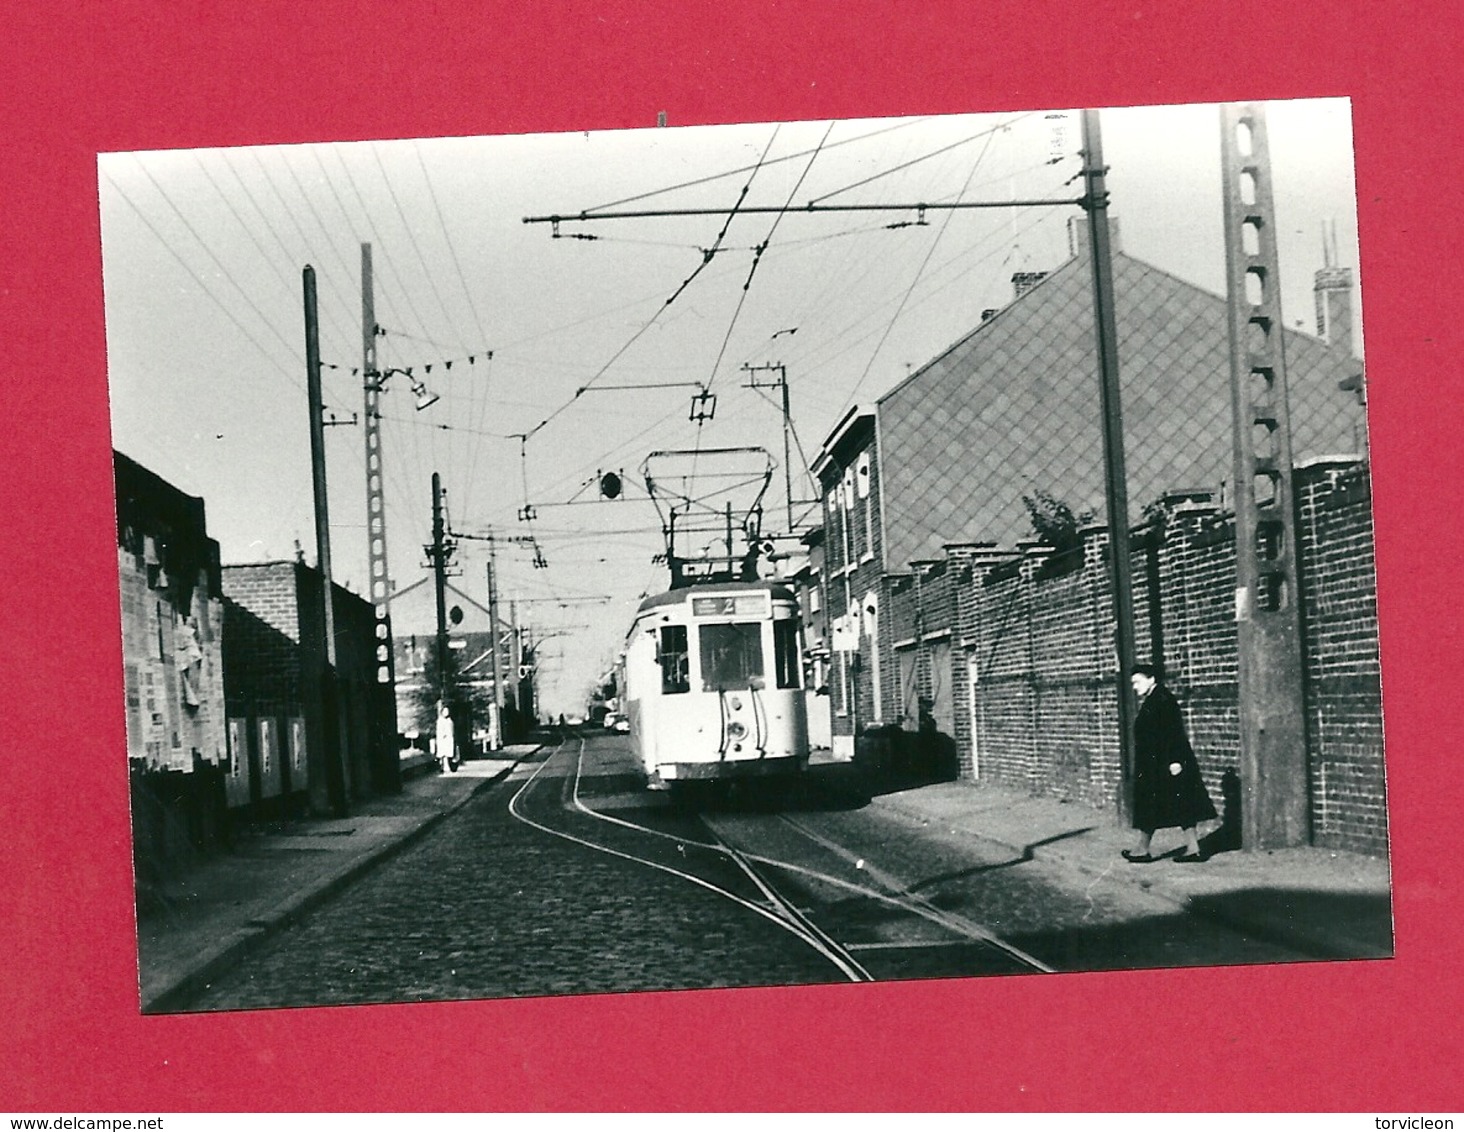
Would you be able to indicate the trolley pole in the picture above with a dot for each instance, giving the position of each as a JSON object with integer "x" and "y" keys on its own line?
{"x": 1095, "y": 202}
{"x": 781, "y": 384}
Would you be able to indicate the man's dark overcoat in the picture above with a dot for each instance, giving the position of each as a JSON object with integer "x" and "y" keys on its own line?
{"x": 1163, "y": 800}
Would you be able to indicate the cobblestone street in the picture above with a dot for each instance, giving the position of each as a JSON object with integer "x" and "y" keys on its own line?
{"x": 488, "y": 907}
{"x": 492, "y": 904}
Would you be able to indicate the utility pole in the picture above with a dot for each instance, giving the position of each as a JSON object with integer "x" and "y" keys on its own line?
{"x": 1095, "y": 202}
{"x": 1273, "y": 752}
{"x": 515, "y": 655}
{"x": 388, "y": 771}
{"x": 781, "y": 383}
{"x": 438, "y": 554}
{"x": 375, "y": 493}
{"x": 495, "y": 633}
{"x": 327, "y": 777}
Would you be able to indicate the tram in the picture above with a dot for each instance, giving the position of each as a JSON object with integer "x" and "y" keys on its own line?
{"x": 713, "y": 683}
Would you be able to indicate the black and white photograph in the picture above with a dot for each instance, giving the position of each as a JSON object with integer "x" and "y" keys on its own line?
{"x": 758, "y": 555}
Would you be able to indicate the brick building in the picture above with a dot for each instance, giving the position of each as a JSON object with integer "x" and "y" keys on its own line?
{"x": 172, "y": 617}
{"x": 806, "y": 579}
{"x": 852, "y": 578}
{"x": 297, "y": 742}
{"x": 946, "y": 619}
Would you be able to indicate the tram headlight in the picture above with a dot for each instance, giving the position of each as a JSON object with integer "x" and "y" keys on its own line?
{"x": 736, "y": 730}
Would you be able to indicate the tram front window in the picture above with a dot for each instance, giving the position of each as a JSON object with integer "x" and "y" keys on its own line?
{"x": 731, "y": 656}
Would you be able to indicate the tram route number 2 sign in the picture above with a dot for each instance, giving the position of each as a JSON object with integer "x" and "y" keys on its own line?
{"x": 731, "y": 605}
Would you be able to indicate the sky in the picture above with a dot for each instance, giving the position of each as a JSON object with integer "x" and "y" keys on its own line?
{"x": 580, "y": 353}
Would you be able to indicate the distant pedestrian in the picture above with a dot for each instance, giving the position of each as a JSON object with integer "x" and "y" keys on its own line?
{"x": 446, "y": 739}
{"x": 1168, "y": 789}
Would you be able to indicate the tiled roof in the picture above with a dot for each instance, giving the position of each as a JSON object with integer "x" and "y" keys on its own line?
{"x": 1013, "y": 408}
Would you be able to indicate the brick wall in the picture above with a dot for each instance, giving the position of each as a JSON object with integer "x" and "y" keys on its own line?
{"x": 1340, "y": 638}
{"x": 264, "y": 685}
{"x": 1038, "y": 651}
{"x": 274, "y": 661}
{"x": 1038, "y": 648}
{"x": 261, "y": 638}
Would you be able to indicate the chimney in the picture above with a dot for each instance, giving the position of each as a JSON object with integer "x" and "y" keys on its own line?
{"x": 1024, "y": 281}
{"x": 1333, "y": 289}
{"x": 1078, "y": 236}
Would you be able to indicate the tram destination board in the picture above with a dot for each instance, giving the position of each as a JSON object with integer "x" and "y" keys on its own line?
{"x": 731, "y": 605}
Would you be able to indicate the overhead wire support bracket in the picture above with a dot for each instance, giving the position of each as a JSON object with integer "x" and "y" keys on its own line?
{"x": 583, "y": 389}
{"x": 918, "y": 207}
{"x": 703, "y": 406}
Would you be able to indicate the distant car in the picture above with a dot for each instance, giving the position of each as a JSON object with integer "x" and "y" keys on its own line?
{"x": 622, "y": 725}
{"x": 610, "y": 720}
{"x": 575, "y": 720}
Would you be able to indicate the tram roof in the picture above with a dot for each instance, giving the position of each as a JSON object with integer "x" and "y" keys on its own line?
{"x": 685, "y": 593}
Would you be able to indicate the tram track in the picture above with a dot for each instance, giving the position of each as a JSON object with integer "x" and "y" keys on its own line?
{"x": 776, "y": 909}
{"x": 769, "y": 901}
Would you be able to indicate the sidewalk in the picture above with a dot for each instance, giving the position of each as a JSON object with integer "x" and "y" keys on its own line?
{"x": 199, "y": 923}
{"x": 1327, "y": 903}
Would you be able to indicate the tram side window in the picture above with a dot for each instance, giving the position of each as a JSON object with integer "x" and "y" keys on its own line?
{"x": 674, "y": 658}
{"x": 787, "y": 662}
{"x": 731, "y": 656}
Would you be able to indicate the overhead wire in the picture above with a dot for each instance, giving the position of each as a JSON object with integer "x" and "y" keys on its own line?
{"x": 289, "y": 212}
{"x": 226, "y": 308}
{"x": 847, "y": 342}
{"x": 451, "y": 470}
{"x": 347, "y": 270}
{"x": 205, "y": 288}
{"x": 287, "y": 283}
{"x": 223, "y": 270}
{"x": 988, "y": 134}
{"x": 412, "y": 452}
{"x": 707, "y": 257}
{"x": 900, "y": 124}
{"x": 762, "y": 247}
{"x": 478, "y": 394}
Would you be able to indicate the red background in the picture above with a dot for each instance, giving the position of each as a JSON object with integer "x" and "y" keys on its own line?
{"x": 82, "y": 78}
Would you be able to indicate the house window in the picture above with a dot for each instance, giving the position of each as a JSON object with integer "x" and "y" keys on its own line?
{"x": 846, "y": 519}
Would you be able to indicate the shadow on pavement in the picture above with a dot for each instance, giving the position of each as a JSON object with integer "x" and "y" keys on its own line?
{"x": 1292, "y": 916}
{"x": 1027, "y": 854}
